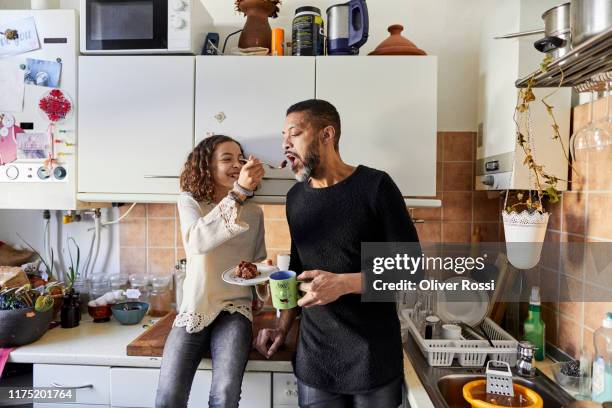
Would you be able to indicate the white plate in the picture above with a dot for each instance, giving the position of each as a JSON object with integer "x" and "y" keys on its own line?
{"x": 265, "y": 271}
{"x": 471, "y": 310}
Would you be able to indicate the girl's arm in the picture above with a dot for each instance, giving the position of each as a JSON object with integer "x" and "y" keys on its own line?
{"x": 202, "y": 234}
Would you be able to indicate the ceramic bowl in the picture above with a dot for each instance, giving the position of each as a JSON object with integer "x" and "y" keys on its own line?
{"x": 129, "y": 312}
{"x": 100, "y": 314}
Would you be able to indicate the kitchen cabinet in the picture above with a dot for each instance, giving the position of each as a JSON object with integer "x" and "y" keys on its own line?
{"x": 388, "y": 109}
{"x": 140, "y": 116}
{"x": 246, "y": 98}
{"x": 136, "y": 122}
{"x": 255, "y": 388}
{"x": 92, "y": 382}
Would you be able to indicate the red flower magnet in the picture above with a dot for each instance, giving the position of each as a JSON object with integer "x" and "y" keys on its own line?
{"x": 56, "y": 105}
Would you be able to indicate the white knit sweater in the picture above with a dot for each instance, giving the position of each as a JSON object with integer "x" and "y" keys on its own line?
{"x": 216, "y": 237}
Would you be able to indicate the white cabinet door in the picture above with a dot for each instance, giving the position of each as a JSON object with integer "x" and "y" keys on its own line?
{"x": 247, "y": 98}
{"x": 388, "y": 110}
{"x": 91, "y": 382}
{"x": 135, "y": 122}
{"x": 137, "y": 387}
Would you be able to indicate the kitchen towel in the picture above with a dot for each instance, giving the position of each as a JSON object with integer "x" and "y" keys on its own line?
{"x": 4, "y": 355}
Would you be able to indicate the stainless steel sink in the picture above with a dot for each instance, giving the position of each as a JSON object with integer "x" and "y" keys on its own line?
{"x": 444, "y": 385}
{"x": 451, "y": 388}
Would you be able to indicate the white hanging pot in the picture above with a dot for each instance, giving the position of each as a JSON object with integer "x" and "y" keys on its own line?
{"x": 525, "y": 234}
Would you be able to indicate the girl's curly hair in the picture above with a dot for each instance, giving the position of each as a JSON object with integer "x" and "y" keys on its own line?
{"x": 196, "y": 177}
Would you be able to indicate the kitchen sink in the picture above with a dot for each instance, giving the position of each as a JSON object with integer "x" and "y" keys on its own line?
{"x": 451, "y": 388}
{"x": 444, "y": 385}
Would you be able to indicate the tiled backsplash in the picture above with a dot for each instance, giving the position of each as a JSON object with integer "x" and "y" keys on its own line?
{"x": 464, "y": 211}
{"x": 581, "y": 216}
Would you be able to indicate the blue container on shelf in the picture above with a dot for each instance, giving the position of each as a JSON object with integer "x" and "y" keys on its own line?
{"x": 129, "y": 312}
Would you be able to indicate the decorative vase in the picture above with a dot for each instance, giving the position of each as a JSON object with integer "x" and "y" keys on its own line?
{"x": 396, "y": 44}
{"x": 256, "y": 31}
{"x": 524, "y": 234}
{"x": 70, "y": 314}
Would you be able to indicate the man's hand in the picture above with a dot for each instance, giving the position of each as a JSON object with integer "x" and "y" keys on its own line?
{"x": 266, "y": 336}
{"x": 323, "y": 287}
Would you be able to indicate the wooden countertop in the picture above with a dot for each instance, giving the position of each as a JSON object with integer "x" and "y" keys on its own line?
{"x": 151, "y": 342}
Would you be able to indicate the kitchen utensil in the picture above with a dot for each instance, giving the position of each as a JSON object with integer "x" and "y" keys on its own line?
{"x": 22, "y": 326}
{"x": 431, "y": 327}
{"x": 264, "y": 270}
{"x": 499, "y": 378}
{"x": 556, "y": 41}
{"x": 474, "y": 393}
{"x": 524, "y": 365}
{"x": 211, "y": 44}
{"x": 307, "y": 32}
{"x": 468, "y": 306}
{"x": 486, "y": 335}
{"x": 451, "y": 332}
{"x": 280, "y": 166}
{"x": 589, "y": 18}
{"x": 396, "y": 44}
{"x": 128, "y": 313}
{"x": 347, "y": 27}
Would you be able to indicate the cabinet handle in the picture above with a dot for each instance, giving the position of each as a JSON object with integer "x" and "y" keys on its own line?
{"x": 65, "y": 387}
{"x": 151, "y": 176}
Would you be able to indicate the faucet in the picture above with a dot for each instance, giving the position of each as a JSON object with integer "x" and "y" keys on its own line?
{"x": 524, "y": 365}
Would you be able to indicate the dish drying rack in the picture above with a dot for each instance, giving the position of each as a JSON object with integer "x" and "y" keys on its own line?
{"x": 469, "y": 352}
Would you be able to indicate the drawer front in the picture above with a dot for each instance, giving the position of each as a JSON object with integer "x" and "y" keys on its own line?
{"x": 256, "y": 390}
{"x": 284, "y": 389}
{"x": 66, "y": 405}
{"x": 137, "y": 387}
{"x": 94, "y": 380}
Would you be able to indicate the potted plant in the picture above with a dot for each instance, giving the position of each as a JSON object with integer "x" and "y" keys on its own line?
{"x": 25, "y": 313}
{"x": 71, "y": 307}
{"x": 525, "y": 230}
{"x": 257, "y": 31}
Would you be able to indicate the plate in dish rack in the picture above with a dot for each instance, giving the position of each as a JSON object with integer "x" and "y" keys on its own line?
{"x": 264, "y": 270}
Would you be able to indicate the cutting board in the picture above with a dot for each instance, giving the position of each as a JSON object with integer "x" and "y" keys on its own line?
{"x": 151, "y": 342}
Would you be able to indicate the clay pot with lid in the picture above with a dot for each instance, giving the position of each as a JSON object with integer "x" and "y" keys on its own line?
{"x": 396, "y": 44}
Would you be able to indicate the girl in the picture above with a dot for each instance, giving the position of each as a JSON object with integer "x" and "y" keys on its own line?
{"x": 220, "y": 229}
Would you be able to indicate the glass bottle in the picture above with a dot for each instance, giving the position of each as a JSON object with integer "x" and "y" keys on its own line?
{"x": 160, "y": 299}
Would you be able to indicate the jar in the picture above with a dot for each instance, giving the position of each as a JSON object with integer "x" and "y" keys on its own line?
{"x": 431, "y": 327}
{"x": 138, "y": 290}
{"x": 308, "y": 32}
{"x": 160, "y": 299}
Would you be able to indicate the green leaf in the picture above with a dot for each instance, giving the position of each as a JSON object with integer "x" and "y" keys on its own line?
{"x": 553, "y": 194}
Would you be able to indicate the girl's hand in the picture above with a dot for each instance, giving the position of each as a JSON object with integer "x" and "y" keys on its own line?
{"x": 251, "y": 174}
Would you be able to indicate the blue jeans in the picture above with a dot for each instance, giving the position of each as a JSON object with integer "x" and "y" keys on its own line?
{"x": 228, "y": 338}
{"x": 386, "y": 396}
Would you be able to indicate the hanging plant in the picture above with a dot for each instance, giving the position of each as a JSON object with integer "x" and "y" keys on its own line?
{"x": 525, "y": 230}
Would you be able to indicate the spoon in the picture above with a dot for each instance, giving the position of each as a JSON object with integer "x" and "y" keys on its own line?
{"x": 281, "y": 166}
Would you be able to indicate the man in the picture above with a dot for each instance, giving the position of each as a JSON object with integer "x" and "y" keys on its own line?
{"x": 349, "y": 353}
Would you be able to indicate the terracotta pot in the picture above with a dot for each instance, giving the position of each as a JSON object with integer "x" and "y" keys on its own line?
{"x": 256, "y": 31}
{"x": 396, "y": 44}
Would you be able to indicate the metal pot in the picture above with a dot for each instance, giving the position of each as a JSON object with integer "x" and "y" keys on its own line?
{"x": 556, "y": 31}
{"x": 589, "y": 18}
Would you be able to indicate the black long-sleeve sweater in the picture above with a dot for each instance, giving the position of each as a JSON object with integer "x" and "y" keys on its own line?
{"x": 347, "y": 346}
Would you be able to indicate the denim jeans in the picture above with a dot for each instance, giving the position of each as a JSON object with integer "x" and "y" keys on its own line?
{"x": 228, "y": 338}
{"x": 386, "y": 396}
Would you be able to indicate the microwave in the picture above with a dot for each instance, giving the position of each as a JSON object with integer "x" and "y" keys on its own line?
{"x": 143, "y": 26}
